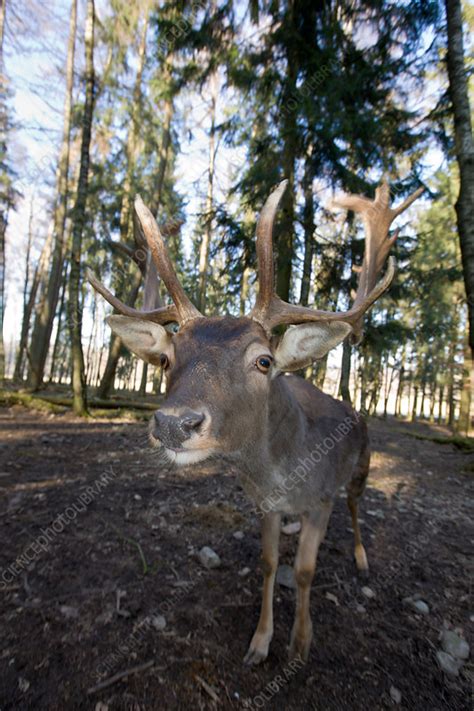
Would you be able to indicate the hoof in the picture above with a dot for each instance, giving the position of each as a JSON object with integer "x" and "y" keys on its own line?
{"x": 300, "y": 646}
{"x": 258, "y": 650}
{"x": 363, "y": 575}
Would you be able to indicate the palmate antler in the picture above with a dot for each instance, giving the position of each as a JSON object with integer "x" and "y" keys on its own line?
{"x": 271, "y": 311}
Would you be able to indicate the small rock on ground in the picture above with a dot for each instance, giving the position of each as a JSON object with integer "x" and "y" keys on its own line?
{"x": 291, "y": 528}
{"x": 395, "y": 694}
{"x": 158, "y": 622}
{"x": 417, "y": 605}
{"x": 368, "y": 592}
{"x": 454, "y": 645}
{"x": 286, "y": 577}
{"x": 448, "y": 664}
{"x": 209, "y": 558}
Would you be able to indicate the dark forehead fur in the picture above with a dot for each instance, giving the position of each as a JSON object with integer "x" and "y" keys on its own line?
{"x": 223, "y": 330}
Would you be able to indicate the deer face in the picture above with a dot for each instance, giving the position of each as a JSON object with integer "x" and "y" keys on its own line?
{"x": 218, "y": 373}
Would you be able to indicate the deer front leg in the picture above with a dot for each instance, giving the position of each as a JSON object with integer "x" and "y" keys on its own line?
{"x": 313, "y": 530}
{"x": 260, "y": 643}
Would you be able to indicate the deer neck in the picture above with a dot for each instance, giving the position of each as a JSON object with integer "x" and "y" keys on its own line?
{"x": 274, "y": 449}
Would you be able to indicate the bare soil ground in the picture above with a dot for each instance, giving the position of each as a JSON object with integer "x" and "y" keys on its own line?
{"x": 89, "y": 605}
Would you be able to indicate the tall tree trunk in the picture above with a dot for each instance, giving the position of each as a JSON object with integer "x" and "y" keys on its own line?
{"x": 401, "y": 379}
{"x": 18, "y": 372}
{"x": 206, "y": 237}
{"x": 168, "y": 110}
{"x": 344, "y": 390}
{"x": 6, "y": 201}
{"x": 244, "y": 290}
{"x": 308, "y": 225}
{"x": 467, "y": 400}
{"x": 3, "y": 9}
{"x": 284, "y": 235}
{"x": 115, "y": 348}
{"x": 57, "y": 340}
{"x": 458, "y": 89}
{"x": 44, "y": 319}
{"x": 440, "y": 404}
{"x": 79, "y": 217}
{"x": 131, "y": 147}
{"x": 320, "y": 368}
{"x": 415, "y": 404}
{"x": 432, "y": 399}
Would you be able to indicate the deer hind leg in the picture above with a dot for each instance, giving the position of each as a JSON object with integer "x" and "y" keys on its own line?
{"x": 260, "y": 643}
{"x": 313, "y": 530}
{"x": 355, "y": 489}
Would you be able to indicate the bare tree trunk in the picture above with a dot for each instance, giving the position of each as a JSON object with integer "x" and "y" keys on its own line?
{"x": 244, "y": 290}
{"x": 168, "y": 110}
{"x": 3, "y": 9}
{"x": 467, "y": 400}
{"x": 44, "y": 319}
{"x": 38, "y": 277}
{"x": 79, "y": 217}
{"x": 432, "y": 400}
{"x": 6, "y": 202}
{"x": 344, "y": 390}
{"x": 458, "y": 89}
{"x": 401, "y": 379}
{"x": 206, "y": 237}
{"x": 415, "y": 404}
{"x": 308, "y": 224}
{"x": 115, "y": 348}
{"x": 320, "y": 372}
{"x": 284, "y": 235}
{"x": 126, "y": 224}
{"x": 18, "y": 372}
{"x": 423, "y": 397}
{"x": 57, "y": 340}
{"x": 440, "y": 404}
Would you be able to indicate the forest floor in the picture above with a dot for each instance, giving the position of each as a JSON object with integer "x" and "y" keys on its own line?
{"x": 91, "y": 604}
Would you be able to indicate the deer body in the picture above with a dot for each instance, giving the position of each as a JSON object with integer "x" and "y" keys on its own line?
{"x": 314, "y": 445}
{"x": 228, "y": 395}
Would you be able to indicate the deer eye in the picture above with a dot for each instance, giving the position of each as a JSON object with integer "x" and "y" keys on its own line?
{"x": 263, "y": 363}
{"x": 164, "y": 361}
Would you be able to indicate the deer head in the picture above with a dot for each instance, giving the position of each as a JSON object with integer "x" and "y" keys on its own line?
{"x": 219, "y": 371}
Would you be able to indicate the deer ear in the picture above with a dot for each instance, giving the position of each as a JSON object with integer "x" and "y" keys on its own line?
{"x": 302, "y": 344}
{"x": 146, "y": 339}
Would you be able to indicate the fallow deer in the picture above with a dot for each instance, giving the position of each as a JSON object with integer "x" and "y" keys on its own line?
{"x": 227, "y": 393}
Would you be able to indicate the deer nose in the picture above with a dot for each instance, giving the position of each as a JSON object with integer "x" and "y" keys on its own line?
{"x": 192, "y": 421}
{"x": 173, "y": 430}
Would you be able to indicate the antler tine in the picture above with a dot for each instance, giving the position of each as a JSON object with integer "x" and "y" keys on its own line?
{"x": 264, "y": 233}
{"x": 151, "y": 297}
{"x": 186, "y": 310}
{"x": 162, "y": 315}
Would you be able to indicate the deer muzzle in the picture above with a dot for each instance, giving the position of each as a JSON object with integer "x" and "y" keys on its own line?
{"x": 173, "y": 430}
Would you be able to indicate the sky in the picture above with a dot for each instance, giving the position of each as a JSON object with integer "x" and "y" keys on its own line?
{"x": 35, "y": 60}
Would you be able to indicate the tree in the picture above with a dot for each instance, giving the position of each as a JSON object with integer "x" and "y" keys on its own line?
{"x": 78, "y": 222}
{"x": 49, "y": 289}
{"x": 7, "y": 194}
{"x": 458, "y": 90}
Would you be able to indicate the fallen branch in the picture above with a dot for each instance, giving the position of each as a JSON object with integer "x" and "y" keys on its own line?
{"x": 120, "y": 675}
{"x": 207, "y": 688}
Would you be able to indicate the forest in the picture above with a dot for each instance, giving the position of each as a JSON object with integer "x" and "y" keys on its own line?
{"x": 272, "y": 505}
{"x": 201, "y": 108}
